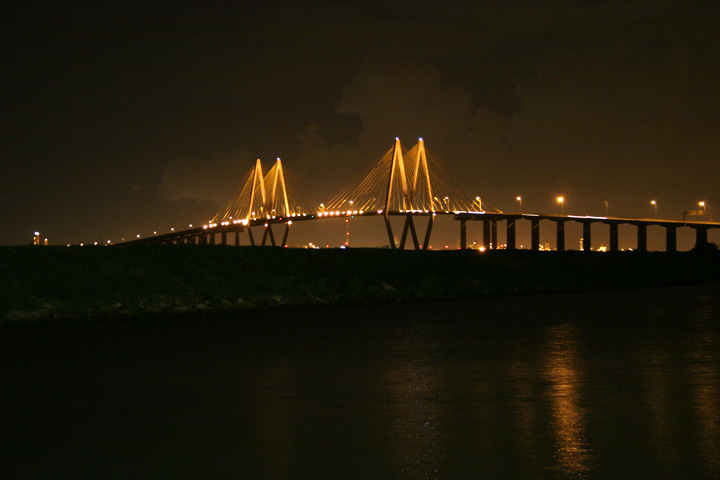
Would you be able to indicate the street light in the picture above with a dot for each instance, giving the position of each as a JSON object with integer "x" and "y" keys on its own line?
{"x": 519, "y": 200}
{"x": 447, "y": 204}
{"x": 561, "y": 201}
{"x": 702, "y": 204}
{"x": 477, "y": 199}
{"x": 654, "y": 204}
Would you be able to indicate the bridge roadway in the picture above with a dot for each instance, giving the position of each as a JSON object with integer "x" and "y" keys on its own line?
{"x": 207, "y": 234}
{"x": 490, "y": 221}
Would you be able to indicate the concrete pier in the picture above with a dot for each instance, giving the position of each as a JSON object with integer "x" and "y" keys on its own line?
{"x": 560, "y": 235}
{"x": 642, "y": 238}
{"x": 535, "y": 234}
{"x": 511, "y": 234}
{"x": 587, "y": 236}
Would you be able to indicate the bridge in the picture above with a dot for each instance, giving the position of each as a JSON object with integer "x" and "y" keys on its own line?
{"x": 412, "y": 184}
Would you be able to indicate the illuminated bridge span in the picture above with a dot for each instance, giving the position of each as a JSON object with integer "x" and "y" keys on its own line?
{"x": 408, "y": 183}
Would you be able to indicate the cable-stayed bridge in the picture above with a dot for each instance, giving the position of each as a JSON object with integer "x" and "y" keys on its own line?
{"x": 413, "y": 184}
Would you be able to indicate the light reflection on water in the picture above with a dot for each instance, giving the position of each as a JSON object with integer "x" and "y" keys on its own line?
{"x": 562, "y": 370}
{"x": 704, "y": 376}
{"x": 602, "y": 385}
{"x": 417, "y": 429}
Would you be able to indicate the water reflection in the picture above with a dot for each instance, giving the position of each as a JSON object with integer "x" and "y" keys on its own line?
{"x": 275, "y": 415}
{"x": 704, "y": 376}
{"x": 562, "y": 369}
{"x": 607, "y": 393}
{"x": 659, "y": 385}
{"x": 521, "y": 375}
{"x": 415, "y": 385}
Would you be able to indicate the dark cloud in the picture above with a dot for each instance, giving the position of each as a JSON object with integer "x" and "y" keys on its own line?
{"x": 605, "y": 100}
{"x": 214, "y": 180}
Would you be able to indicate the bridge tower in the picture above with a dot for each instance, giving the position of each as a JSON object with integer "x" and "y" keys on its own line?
{"x": 410, "y": 191}
{"x": 263, "y": 197}
{"x": 273, "y": 205}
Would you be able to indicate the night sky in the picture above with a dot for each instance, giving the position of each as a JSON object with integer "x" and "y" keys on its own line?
{"x": 121, "y": 118}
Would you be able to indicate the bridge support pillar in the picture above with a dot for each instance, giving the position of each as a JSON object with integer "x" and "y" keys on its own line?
{"x": 614, "y": 243}
{"x": 701, "y": 237}
{"x": 463, "y": 234}
{"x": 671, "y": 238}
{"x": 285, "y": 235}
{"x": 212, "y": 238}
{"x": 410, "y": 225}
{"x": 250, "y": 236}
{"x": 511, "y": 234}
{"x": 587, "y": 236}
{"x": 486, "y": 234}
{"x": 560, "y": 236}
{"x": 493, "y": 233}
{"x": 237, "y": 238}
{"x": 268, "y": 233}
{"x": 535, "y": 234}
{"x": 642, "y": 238}
{"x": 428, "y": 231}
{"x": 388, "y": 227}
{"x": 223, "y": 238}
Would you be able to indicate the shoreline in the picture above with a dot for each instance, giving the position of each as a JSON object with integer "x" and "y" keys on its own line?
{"x": 60, "y": 285}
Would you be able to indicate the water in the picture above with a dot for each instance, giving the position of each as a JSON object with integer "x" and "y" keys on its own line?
{"x": 598, "y": 385}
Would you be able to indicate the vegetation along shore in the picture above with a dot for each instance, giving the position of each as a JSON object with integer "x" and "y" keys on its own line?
{"x": 60, "y": 284}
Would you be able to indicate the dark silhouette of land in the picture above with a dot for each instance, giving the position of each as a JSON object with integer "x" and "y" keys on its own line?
{"x": 95, "y": 283}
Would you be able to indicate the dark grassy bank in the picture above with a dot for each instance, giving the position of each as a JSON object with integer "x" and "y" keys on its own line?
{"x": 40, "y": 283}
